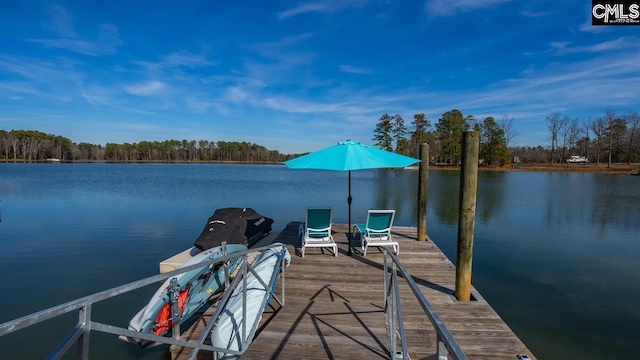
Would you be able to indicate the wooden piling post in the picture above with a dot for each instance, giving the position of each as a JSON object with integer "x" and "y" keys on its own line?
{"x": 467, "y": 213}
{"x": 423, "y": 174}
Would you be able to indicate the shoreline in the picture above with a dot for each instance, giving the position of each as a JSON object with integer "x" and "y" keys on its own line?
{"x": 615, "y": 169}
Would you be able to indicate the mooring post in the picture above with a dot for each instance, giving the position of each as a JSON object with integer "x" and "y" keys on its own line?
{"x": 423, "y": 174}
{"x": 467, "y": 213}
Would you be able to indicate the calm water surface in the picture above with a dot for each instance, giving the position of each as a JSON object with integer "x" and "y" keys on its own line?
{"x": 555, "y": 254}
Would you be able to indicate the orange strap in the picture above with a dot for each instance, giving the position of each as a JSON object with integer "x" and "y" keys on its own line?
{"x": 164, "y": 321}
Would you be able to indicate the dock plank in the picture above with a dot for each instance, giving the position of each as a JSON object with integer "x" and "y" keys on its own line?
{"x": 333, "y": 307}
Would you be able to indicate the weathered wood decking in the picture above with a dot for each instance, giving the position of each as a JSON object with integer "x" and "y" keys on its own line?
{"x": 334, "y": 305}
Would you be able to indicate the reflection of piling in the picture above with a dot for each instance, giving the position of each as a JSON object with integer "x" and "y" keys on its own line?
{"x": 467, "y": 213}
{"x": 423, "y": 174}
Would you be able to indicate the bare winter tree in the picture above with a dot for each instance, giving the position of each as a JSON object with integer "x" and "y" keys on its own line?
{"x": 587, "y": 139}
{"x": 573, "y": 133}
{"x": 609, "y": 117}
{"x": 553, "y": 120}
{"x": 563, "y": 142}
{"x": 569, "y": 132}
{"x": 633, "y": 122}
{"x": 506, "y": 124}
{"x": 556, "y": 122}
{"x": 598, "y": 127}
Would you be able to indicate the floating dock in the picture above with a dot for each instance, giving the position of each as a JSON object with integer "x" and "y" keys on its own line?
{"x": 334, "y": 306}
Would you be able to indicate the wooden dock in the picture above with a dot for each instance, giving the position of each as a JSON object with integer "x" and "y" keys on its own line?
{"x": 333, "y": 307}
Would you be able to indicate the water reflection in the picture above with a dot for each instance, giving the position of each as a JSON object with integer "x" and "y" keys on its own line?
{"x": 444, "y": 190}
{"x": 603, "y": 201}
{"x": 491, "y": 188}
{"x": 567, "y": 201}
{"x": 564, "y": 244}
{"x": 614, "y": 202}
{"x": 397, "y": 189}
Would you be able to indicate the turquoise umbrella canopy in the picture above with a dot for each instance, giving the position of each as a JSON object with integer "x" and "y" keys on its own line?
{"x": 350, "y": 155}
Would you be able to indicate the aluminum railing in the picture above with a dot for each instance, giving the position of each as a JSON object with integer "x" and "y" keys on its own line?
{"x": 80, "y": 334}
{"x": 446, "y": 344}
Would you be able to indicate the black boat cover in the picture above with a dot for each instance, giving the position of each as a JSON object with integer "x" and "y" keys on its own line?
{"x": 235, "y": 226}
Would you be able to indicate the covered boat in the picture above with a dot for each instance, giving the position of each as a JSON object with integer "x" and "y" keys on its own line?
{"x": 235, "y": 226}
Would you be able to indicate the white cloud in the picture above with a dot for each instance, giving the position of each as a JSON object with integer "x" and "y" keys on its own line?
{"x": 28, "y": 68}
{"x": 147, "y": 88}
{"x": 277, "y": 61}
{"x": 20, "y": 88}
{"x": 88, "y": 98}
{"x": 107, "y": 43}
{"x": 442, "y": 8}
{"x": 588, "y": 27}
{"x": 40, "y": 78}
{"x": 558, "y": 45}
{"x": 577, "y": 88}
{"x": 198, "y": 105}
{"x": 620, "y": 44}
{"x": 583, "y": 85}
{"x": 236, "y": 94}
{"x": 98, "y": 95}
{"x": 186, "y": 59}
{"x": 320, "y": 7}
{"x": 304, "y": 8}
{"x": 60, "y": 21}
{"x": 338, "y": 108}
{"x": 534, "y": 14}
{"x": 355, "y": 70}
{"x": 277, "y": 49}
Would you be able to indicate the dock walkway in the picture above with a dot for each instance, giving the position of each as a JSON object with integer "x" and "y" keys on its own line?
{"x": 333, "y": 307}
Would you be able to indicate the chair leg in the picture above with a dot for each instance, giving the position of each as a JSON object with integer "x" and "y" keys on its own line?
{"x": 335, "y": 250}
{"x": 302, "y": 251}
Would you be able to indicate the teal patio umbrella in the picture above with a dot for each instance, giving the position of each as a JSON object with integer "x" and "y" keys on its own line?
{"x": 350, "y": 155}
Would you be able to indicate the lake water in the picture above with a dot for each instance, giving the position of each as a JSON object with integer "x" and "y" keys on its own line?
{"x": 555, "y": 254}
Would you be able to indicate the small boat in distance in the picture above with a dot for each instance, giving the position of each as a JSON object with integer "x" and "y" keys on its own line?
{"x": 578, "y": 160}
{"x": 53, "y": 160}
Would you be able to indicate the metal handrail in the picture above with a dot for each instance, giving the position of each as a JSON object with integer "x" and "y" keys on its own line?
{"x": 446, "y": 343}
{"x": 80, "y": 333}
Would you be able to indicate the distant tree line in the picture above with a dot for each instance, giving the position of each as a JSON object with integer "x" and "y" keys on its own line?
{"x": 31, "y": 145}
{"x": 608, "y": 138}
{"x": 444, "y": 141}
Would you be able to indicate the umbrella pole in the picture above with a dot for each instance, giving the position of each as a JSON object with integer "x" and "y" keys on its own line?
{"x": 349, "y": 202}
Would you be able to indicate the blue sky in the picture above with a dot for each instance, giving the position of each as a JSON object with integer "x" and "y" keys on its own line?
{"x": 301, "y": 75}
